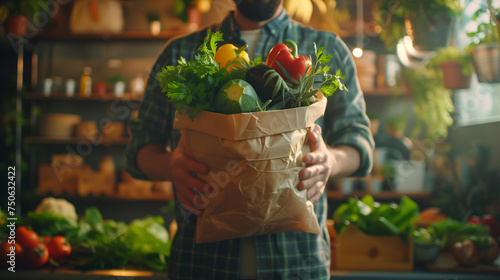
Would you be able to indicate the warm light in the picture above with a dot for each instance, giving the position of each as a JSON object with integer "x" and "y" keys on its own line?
{"x": 357, "y": 52}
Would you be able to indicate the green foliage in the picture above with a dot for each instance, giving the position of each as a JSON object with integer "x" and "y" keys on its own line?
{"x": 153, "y": 16}
{"x": 376, "y": 218}
{"x": 452, "y": 54}
{"x": 487, "y": 32}
{"x": 472, "y": 186}
{"x": 105, "y": 244}
{"x": 433, "y": 103}
{"x": 450, "y": 231}
{"x": 25, "y": 7}
{"x": 50, "y": 224}
{"x": 195, "y": 83}
{"x": 302, "y": 91}
{"x": 180, "y": 9}
{"x": 391, "y": 15}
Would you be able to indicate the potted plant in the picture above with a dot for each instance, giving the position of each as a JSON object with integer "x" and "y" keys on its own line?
{"x": 154, "y": 22}
{"x": 427, "y": 22}
{"x": 19, "y": 14}
{"x": 485, "y": 46}
{"x": 432, "y": 103}
{"x": 118, "y": 82}
{"x": 454, "y": 66}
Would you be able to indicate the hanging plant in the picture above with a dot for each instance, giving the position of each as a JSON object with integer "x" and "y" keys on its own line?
{"x": 396, "y": 17}
{"x": 485, "y": 46}
{"x": 432, "y": 103}
{"x": 454, "y": 66}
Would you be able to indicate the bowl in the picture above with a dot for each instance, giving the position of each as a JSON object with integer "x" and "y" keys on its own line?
{"x": 426, "y": 254}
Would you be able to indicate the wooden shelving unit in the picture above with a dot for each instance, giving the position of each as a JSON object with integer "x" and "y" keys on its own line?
{"x": 56, "y": 141}
{"x": 93, "y": 97}
{"x": 125, "y": 35}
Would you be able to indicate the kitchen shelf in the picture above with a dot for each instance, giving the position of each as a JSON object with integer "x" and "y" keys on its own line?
{"x": 150, "y": 197}
{"x": 93, "y": 97}
{"x": 49, "y": 140}
{"x": 124, "y": 35}
{"x": 384, "y": 195}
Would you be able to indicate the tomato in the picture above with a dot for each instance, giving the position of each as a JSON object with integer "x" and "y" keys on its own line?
{"x": 36, "y": 256}
{"x": 45, "y": 239}
{"x": 9, "y": 251}
{"x": 492, "y": 224}
{"x": 27, "y": 238}
{"x": 475, "y": 220}
{"x": 59, "y": 248}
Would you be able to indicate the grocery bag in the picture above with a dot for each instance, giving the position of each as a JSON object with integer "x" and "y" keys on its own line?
{"x": 254, "y": 161}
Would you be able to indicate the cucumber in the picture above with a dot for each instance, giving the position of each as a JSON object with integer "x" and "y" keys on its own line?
{"x": 237, "y": 96}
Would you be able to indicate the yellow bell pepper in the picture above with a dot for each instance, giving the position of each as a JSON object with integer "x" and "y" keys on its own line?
{"x": 228, "y": 56}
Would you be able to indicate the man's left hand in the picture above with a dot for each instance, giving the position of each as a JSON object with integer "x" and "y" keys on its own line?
{"x": 319, "y": 163}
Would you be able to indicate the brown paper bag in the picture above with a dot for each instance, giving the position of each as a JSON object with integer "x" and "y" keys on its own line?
{"x": 254, "y": 161}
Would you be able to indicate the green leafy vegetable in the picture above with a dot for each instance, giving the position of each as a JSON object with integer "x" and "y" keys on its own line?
{"x": 50, "y": 224}
{"x": 148, "y": 242}
{"x": 195, "y": 83}
{"x": 100, "y": 244}
{"x": 450, "y": 231}
{"x": 376, "y": 218}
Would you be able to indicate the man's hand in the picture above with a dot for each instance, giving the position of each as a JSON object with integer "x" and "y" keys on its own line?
{"x": 324, "y": 162}
{"x": 187, "y": 186}
{"x": 319, "y": 163}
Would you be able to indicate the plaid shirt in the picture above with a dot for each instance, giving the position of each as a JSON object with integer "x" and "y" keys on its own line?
{"x": 288, "y": 255}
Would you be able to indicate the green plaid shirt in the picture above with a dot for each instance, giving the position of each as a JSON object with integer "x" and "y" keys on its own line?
{"x": 288, "y": 255}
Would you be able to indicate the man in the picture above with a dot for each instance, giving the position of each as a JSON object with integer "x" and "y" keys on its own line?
{"x": 289, "y": 255}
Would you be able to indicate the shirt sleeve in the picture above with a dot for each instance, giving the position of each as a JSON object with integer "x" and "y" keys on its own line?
{"x": 153, "y": 124}
{"x": 345, "y": 121}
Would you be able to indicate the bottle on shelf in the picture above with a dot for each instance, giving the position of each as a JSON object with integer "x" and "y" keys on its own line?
{"x": 86, "y": 82}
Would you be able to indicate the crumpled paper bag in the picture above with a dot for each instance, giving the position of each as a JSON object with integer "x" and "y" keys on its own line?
{"x": 254, "y": 161}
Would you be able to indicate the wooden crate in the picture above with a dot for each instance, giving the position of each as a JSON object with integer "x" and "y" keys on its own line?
{"x": 57, "y": 179}
{"x": 356, "y": 250}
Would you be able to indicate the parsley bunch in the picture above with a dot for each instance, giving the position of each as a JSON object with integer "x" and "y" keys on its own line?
{"x": 195, "y": 83}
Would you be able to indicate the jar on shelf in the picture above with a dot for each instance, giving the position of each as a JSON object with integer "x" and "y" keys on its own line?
{"x": 86, "y": 82}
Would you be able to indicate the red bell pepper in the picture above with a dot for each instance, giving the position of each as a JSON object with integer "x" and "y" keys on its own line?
{"x": 287, "y": 56}
{"x": 475, "y": 220}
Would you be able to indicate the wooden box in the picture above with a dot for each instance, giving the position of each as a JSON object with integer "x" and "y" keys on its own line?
{"x": 355, "y": 250}
{"x": 57, "y": 179}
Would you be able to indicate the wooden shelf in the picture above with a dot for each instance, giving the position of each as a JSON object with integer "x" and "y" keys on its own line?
{"x": 150, "y": 197}
{"x": 384, "y": 195}
{"x": 93, "y": 97}
{"x": 125, "y": 35}
{"x": 47, "y": 140}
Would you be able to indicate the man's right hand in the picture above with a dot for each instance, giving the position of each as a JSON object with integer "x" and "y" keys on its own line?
{"x": 187, "y": 186}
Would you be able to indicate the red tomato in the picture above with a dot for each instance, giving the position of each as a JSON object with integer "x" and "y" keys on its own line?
{"x": 59, "y": 248}
{"x": 492, "y": 224}
{"x": 475, "y": 220}
{"x": 27, "y": 238}
{"x": 8, "y": 251}
{"x": 36, "y": 256}
{"x": 45, "y": 239}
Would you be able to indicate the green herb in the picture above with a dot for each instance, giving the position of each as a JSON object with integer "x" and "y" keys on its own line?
{"x": 195, "y": 83}
{"x": 302, "y": 91}
{"x": 451, "y": 231}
